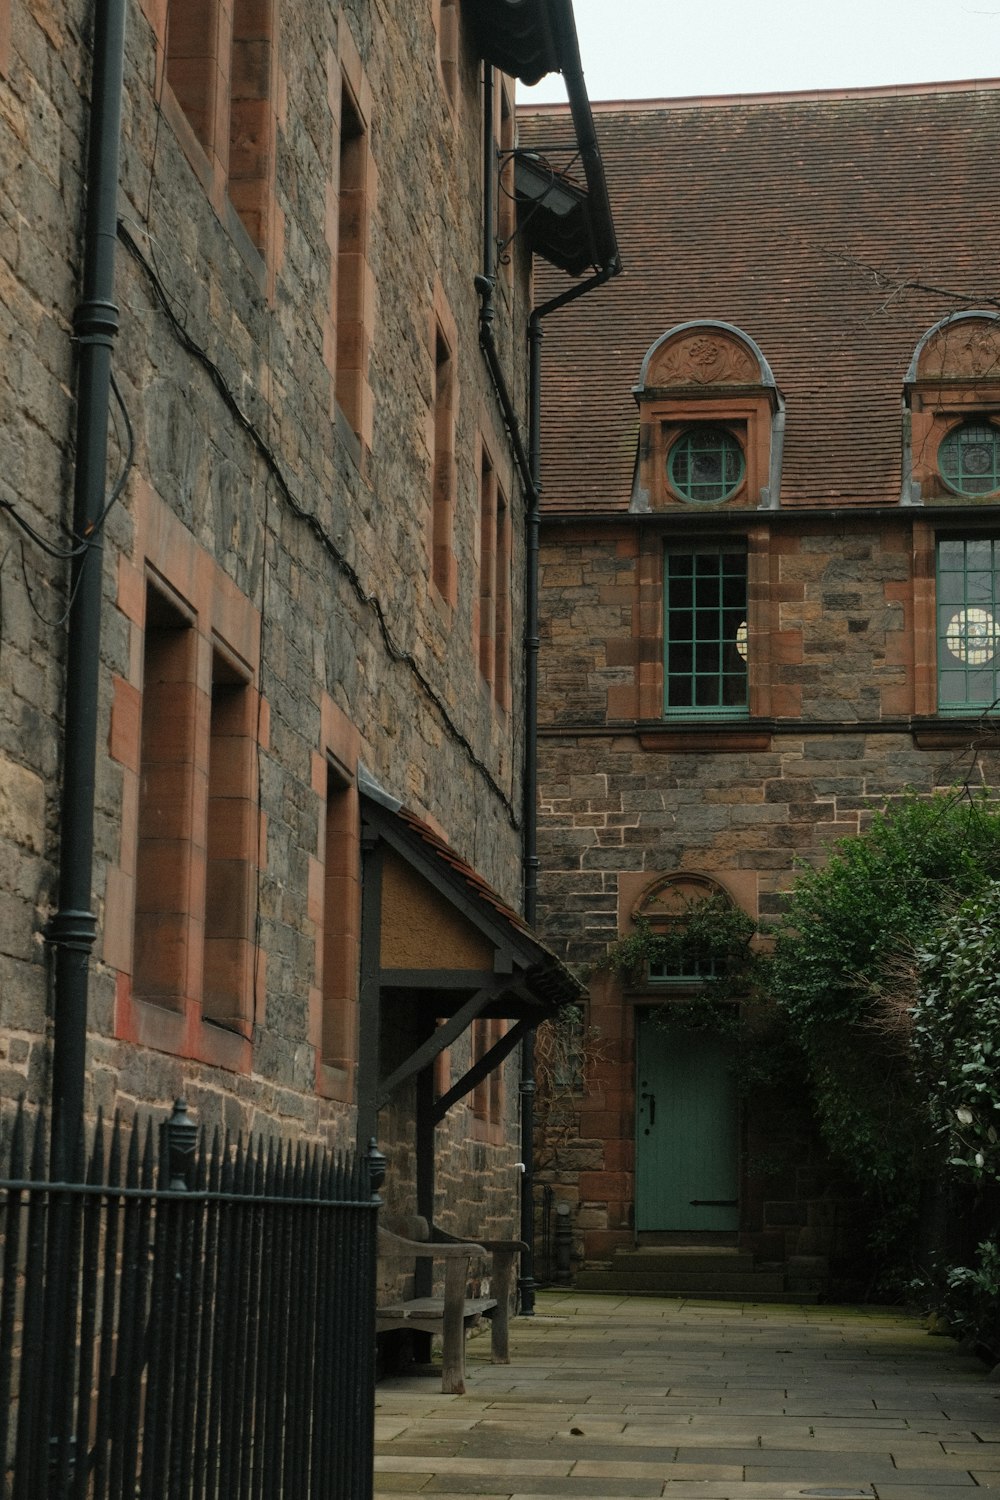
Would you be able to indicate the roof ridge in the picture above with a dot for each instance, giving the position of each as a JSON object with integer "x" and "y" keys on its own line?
{"x": 694, "y": 101}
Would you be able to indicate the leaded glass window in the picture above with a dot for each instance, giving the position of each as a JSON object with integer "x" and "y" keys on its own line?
{"x": 705, "y": 632}
{"x": 706, "y": 465}
{"x": 969, "y": 458}
{"x": 968, "y": 624}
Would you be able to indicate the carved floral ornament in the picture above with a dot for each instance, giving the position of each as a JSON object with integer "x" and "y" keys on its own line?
{"x": 702, "y": 358}
{"x": 966, "y": 349}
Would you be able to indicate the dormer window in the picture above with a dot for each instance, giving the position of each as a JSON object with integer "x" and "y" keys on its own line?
{"x": 951, "y": 429}
{"x": 705, "y": 465}
{"x": 711, "y": 422}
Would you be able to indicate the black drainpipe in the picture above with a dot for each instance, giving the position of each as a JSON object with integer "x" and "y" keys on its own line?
{"x": 73, "y": 928}
{"x": 528, "y": 464}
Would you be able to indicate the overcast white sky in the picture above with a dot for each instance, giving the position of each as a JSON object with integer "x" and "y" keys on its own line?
{"x": 658, "y": 49}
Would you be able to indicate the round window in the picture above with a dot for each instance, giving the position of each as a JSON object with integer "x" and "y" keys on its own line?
{"x": 706, "y": 465}
{"x": 969, "y": 458}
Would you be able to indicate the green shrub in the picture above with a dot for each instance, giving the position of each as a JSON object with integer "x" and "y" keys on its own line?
{"x": 956, "y": 1035}
{"x": 844, "y": 971}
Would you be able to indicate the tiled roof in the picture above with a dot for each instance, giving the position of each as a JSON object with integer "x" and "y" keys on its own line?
{"x": 797, "y": 218}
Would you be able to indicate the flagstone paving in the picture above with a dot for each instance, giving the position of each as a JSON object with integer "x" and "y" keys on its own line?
{"x": 623, "y": 1398}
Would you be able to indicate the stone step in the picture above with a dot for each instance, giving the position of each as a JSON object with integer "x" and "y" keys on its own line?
{"x": 742, "y": 1285}
{"x": 659, "y": 1259}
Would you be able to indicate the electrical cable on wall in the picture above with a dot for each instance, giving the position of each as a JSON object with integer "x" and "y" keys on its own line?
{"x": 369, "y": 601}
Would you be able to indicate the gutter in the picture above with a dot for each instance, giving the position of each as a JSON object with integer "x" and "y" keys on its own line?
{"x": 73, "y": 928}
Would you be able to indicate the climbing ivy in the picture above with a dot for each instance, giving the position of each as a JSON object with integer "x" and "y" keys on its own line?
{"x": 711, "y": 935}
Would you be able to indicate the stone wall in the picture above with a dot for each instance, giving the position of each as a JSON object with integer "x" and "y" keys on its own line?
{"x": 841, "y": 723}
{"x": 227, "y": 369}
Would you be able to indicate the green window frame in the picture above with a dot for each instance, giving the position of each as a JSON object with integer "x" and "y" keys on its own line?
{"x": 705, "y": 632}
{"x": 706, "y": 465}
{"x": 968, "y": 623}
{"x": 969, "y": 458}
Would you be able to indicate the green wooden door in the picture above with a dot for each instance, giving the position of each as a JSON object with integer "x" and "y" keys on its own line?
{"x": 687, "y": 1154}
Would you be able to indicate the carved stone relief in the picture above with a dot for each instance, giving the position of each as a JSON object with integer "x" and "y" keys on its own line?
{"x": 702, "y": 359}
{"x": 964, "y": 350}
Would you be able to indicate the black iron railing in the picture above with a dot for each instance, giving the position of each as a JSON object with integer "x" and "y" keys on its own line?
{"x": 211, "y": 1340}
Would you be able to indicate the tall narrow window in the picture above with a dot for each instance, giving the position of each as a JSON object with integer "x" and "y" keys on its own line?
{"x": 487, "y": 567}
{"x": 163, "y": 877}
{"x": 968, "y": 624}
{"x": 352, "y": 251}
{"x": 4, "y": 37}
{"x": 192, "y": 63}
{"x": 501, "y": 644}
{"x": 250, "y": 134}
{"x": 447, "y": 46}
{"x": 488, "y": 1093}
{"x": 340, "y": 879}
{"x": 228, "y": 978}
{"x": 705, "y": 632}
{"x": 218, "y": 66}
{"x": 443, "y": 567}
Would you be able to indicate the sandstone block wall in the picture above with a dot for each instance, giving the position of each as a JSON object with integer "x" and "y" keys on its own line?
{"x": 841, "y": 638}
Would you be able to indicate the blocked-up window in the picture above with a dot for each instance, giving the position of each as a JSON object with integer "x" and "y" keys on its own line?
{"x": 446, "y": 24}
{"x": 705, "y": 632}
{"x": 968, "y": 623}
{"x": 219, "y": 68}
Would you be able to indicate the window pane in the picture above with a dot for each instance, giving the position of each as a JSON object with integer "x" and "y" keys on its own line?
{"x": 968, "y": 625}
{"x": 709, "y": 679}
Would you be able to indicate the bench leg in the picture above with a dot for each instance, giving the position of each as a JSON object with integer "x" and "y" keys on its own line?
{"x": 453, "y": 1327}
{"x": 503, "y": 1278}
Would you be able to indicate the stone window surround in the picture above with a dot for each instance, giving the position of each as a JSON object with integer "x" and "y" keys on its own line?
{"x": 246, "y": 205}
{"x": 648, "y": 618}
{"x": 727, "y": 673}
{"x": 489, "y": 1096}
{"x": 225, "y": 621}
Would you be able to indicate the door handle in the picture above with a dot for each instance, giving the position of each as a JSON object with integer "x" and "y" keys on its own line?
{"x": 651, "y": 1099}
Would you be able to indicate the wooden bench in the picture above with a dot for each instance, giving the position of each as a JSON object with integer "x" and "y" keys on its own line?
{"x": 453, "y": 1314}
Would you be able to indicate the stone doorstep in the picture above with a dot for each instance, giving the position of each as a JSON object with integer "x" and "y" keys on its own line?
{"x": 720, "y": 1272}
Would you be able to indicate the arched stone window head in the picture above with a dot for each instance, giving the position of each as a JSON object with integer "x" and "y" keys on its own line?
{"x": 951, "y": 413}
{"x": 693, "y": 951}
{"x": 711, "y": 422}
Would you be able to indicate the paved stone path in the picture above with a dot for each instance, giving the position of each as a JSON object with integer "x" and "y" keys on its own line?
{"x": 609, "y": 1397}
